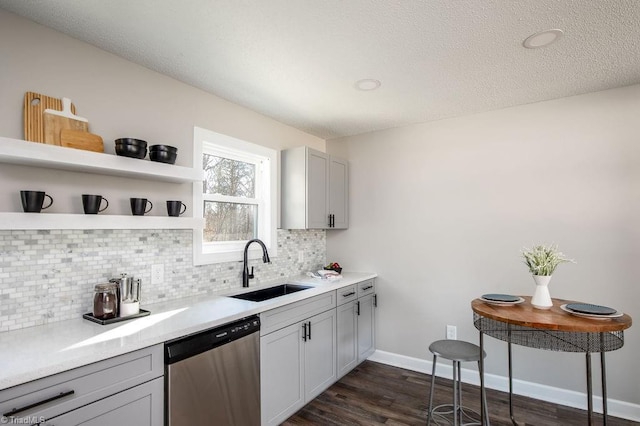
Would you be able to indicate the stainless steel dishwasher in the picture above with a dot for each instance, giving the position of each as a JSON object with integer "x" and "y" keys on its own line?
{"x": 213, "y": 377}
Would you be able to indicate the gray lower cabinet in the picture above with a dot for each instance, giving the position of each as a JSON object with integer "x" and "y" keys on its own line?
{"x": 125, "y": 390}
{"x": 367, "y": 302}
{"x": 355, "y": 325}
{"x": 366, "y": 326}
{"x": 347, "y": 329}
{"x": 140, "y": 405}
{"x": 297, "y": 363}
{"x": 320, "y": 354}
{"x": 347, "y": 337}
{"x": 281, "y": 374}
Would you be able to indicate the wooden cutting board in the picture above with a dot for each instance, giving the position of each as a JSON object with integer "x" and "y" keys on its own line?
{"x": 81, "y": 140}
{"x": 55, "y": 121}
{"x": 33, "y": 109}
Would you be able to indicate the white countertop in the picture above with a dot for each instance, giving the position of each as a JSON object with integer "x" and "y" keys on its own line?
{"x": 32, "y": 353}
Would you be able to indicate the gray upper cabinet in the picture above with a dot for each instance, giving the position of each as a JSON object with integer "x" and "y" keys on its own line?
{"x": 338, "y": 192}
{"x": 314, "y": 190}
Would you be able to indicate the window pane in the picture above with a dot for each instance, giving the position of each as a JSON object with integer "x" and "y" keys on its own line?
{"x": 229, "y": 221}
{"x": 228, "y": 177}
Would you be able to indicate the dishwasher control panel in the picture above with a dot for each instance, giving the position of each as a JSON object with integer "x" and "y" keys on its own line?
{"x": 247, "y": 326}
{"x": 187, "y": 346}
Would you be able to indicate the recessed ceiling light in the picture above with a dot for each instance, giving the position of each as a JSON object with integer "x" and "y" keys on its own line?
{"x": 367, "y": 84}
{"x": 541, "y": 39}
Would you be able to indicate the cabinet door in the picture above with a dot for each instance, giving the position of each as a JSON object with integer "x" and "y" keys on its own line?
{"x": 142, "y": 405}
{"x": 320, "y": 354}
{"x": 366, "y": 324}
{"x": 317, "y": 190}
{"x": 339, "y": 192}
{"x": 89, "y": 383}
{"x": 281, "y": 380}
{"x": 347, "y": 344}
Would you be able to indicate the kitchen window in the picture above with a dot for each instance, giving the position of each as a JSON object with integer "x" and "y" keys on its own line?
{"x": 237, "y": 198}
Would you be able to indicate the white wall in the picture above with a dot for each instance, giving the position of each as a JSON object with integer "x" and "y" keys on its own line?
{"x": 441, "y": 211}
{"x": 120, "y": 99}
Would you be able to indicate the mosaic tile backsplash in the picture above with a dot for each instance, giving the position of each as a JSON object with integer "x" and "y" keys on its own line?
{"x": 49, "y": 275}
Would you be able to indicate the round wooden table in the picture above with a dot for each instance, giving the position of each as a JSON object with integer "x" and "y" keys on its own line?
{"x": 554, "y": 330}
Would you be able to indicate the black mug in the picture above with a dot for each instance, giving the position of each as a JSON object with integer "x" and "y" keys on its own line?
{"x": 32, "y": 201}
{"x": 92, "y": 203}
{"x": 139, "y": 206}
{"x": 176, "y": 208}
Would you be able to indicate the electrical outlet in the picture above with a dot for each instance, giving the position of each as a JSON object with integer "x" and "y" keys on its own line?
{"x": 300, "y": 256}
{"x": 451, "y": 332}
{"x": 157, "y": 274}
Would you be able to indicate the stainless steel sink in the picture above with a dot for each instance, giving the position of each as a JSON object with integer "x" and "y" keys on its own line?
{"x": 271, "y": 292}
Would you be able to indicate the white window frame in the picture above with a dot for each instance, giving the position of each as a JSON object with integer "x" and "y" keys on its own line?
{"x": 265, "y": 197}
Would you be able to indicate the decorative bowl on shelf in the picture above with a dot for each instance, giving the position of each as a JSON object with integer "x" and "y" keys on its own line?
{"x": 163, "y": 148}
{"x": 163, "y": 153}
{"x": 130, "y": 147}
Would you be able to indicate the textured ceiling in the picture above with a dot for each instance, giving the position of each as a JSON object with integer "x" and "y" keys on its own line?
{"x": 297, "y": 60}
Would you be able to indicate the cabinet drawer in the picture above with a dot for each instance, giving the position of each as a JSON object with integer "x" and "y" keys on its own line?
{"x": 366, "y": 287}
{"x": 283, "y": 316}
{"x": 142, "y": 405}
{"x": 346, "y": 294}
{"x": 57, "y": 394}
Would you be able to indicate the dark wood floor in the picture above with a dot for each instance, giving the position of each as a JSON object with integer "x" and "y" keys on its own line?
{"x": 378, "y": 394}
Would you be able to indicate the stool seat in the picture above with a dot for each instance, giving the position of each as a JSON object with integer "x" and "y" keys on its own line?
{"x": 456, "y": 350}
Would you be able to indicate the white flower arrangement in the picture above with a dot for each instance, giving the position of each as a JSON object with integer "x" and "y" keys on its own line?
{"x": 543, "y": 260}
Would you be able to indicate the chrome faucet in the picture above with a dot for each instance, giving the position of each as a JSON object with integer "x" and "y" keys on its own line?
{"x": 246, "y": 276}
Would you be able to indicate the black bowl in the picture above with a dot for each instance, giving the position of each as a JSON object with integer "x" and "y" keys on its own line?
{"x": 163, "y": 156}
{"x": 132, "y": 151}
{"x": 131, "y": 141}
{"x": 167, "y": 148}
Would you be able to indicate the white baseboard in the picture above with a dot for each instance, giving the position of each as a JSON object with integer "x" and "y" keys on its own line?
{"x": 616, "y": 408}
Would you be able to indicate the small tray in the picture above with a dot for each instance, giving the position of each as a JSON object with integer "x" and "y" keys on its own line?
{"x": 89, "y": 316}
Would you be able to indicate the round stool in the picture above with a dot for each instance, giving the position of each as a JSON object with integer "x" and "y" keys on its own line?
{"x": 456, "y": 351}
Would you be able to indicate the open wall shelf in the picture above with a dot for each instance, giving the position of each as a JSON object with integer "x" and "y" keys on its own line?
{"x": 15, "y": 151}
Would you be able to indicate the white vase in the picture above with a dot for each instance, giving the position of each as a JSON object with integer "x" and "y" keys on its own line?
{"x": 541, "y": 298}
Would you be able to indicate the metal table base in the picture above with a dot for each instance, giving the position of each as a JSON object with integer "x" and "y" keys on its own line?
{"x": 563, "y": 341}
